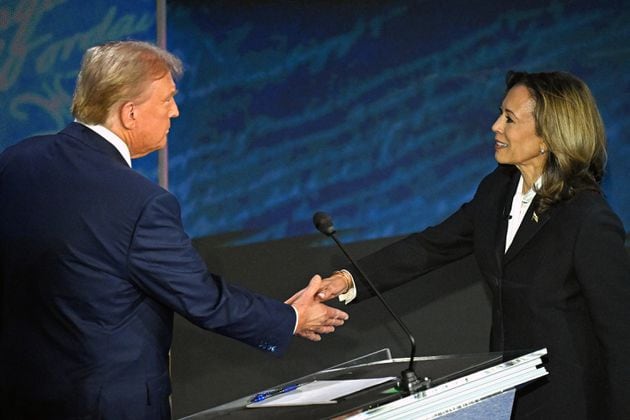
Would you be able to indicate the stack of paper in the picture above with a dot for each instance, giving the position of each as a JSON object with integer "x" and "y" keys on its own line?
{"x": 319, "y": 392}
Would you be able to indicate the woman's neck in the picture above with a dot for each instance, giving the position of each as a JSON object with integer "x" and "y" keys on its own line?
{"x": 530, "y": 176}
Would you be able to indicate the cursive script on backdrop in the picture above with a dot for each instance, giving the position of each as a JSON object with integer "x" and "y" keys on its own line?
{"x": 39, "y": 61}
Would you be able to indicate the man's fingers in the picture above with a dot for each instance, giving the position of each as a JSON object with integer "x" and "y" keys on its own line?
{"x": 338, "y": 313}
{"x": 295, "y": 297}
{"x": 337, "y": 322}
{"x": 314, "y": 333}
{"x": 310, "y": 335}
{"x": 316, "y": 318}
{"x": 323, "y": 294}
{"x": 323, "y": 329}
{"x": 313, "y": 285}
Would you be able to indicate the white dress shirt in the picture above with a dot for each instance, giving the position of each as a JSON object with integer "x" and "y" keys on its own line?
{"x": 520, "y": 205}
{"x": 112, "y": 138}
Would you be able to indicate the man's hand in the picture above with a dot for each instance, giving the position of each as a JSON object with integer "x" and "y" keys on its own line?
{"x": 331, "y": 287}
{"x": 315, "y": 318}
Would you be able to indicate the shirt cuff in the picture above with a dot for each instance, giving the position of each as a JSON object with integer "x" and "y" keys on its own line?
{"x": 297, "y": 318}
{"x": 352, "y": 291}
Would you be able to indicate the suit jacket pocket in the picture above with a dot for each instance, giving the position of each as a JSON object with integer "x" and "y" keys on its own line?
{"x": 133, "y": 399}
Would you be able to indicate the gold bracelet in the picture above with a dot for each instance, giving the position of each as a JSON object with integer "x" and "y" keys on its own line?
{"x": 346, "y": 278}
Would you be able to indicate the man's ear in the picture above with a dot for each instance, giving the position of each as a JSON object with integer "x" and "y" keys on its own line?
{"x": 127, "y": 115}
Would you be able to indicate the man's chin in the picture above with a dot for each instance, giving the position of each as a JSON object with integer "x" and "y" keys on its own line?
{"x": 143, "y": 153}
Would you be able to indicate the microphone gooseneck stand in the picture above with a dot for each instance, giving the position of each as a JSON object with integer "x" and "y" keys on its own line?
{"x": 409, "y": 382}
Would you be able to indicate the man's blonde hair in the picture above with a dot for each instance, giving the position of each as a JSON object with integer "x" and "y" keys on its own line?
{"x": 117, "y": 72}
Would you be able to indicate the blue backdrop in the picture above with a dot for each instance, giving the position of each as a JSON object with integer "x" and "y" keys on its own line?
{"x": 378, "y": 112}
{"x": 41, "y": 45}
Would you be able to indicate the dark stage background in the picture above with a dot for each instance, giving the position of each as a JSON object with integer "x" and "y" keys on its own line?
{"x": 378, "y": 112}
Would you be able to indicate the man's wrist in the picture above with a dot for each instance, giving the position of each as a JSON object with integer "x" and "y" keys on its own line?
{"x": 297, "y": 319}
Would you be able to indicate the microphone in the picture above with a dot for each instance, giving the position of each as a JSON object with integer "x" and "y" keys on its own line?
{"x": 409, "y": 382}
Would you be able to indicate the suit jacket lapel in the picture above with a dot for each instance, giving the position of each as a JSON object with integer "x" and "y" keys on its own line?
{"x": 532, "y": 223}
{"x": 503, "y": 215}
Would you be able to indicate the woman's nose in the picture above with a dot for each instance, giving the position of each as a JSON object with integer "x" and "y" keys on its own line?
{"x": 497, "y": 127}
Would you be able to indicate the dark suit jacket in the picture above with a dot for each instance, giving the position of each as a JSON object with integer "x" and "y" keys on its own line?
{"x": 93, "y": 263}
{"x": 563, "y": 284}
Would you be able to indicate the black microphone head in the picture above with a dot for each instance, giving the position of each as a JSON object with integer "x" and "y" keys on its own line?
{"x": 323, "y": 223}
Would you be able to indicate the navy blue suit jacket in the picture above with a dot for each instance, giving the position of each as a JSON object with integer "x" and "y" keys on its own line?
{"x": 93, "y": 263}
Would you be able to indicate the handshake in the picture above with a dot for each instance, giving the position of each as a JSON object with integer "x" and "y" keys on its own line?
{"x": 314, "y": 317}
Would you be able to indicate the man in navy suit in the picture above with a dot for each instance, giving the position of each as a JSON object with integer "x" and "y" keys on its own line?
{"x": 94, "y": 260}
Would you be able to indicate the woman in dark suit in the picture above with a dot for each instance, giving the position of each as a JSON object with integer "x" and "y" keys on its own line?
{"x": 548, "y": 245}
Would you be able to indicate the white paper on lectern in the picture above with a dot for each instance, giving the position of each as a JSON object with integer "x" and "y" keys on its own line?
{"x": 320, "y": 392}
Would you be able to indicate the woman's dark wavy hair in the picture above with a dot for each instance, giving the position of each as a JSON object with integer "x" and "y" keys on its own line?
{"x": 568, "y": 121}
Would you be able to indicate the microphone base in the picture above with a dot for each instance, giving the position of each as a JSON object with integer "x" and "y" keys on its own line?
{"x": 410, "y": 384}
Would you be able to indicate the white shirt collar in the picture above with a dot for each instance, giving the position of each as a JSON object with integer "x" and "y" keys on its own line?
{"x": 112, "y": 138}
{"x": 520, "y": 205}
{"x": 529, "y": 195}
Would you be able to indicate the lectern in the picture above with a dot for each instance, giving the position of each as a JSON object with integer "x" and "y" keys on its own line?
{"x": 473, "y": 386}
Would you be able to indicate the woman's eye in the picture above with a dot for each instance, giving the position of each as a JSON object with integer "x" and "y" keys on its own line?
{"x": 507, "y": 117}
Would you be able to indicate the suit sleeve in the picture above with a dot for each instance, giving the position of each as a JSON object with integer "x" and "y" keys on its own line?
{"x": 419, "y": 253}
{"x": 603, "y": 269}
{"x": 165, "y": 266}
